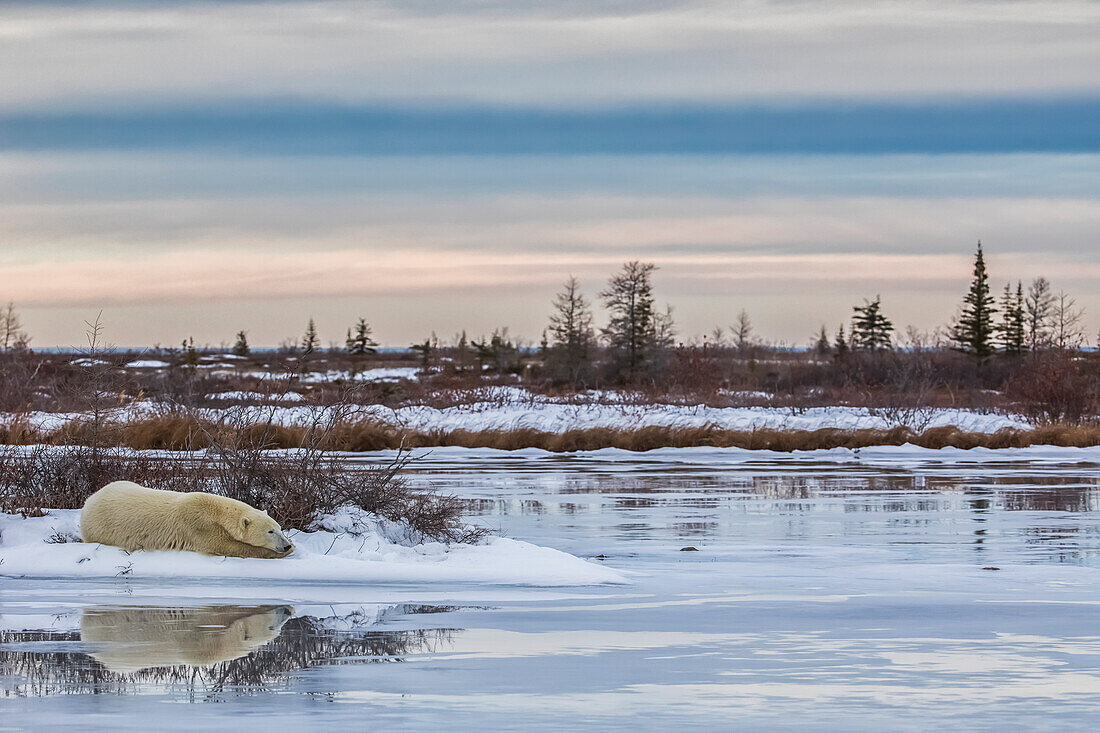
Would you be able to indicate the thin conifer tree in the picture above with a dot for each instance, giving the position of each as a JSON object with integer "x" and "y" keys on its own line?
{"x": 310, "y": 341}
{"x": 1012, "y": 331}
{"x": 569, "y": 349}
{"x": 973, "y": 330}
{"x": 359, "y": 341}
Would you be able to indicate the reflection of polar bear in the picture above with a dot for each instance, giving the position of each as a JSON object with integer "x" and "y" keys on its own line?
{"x": 136, "y": 518}
{"x": 127, "y": 639}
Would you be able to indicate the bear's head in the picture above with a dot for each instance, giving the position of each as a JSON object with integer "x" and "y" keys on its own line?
{"x": 260, "y": 530}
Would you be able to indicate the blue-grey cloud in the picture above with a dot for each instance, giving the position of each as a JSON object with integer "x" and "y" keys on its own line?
{"x": 559, "y": 55}
{"x": 998, "y": 125}
{"x": 70, "y": 177}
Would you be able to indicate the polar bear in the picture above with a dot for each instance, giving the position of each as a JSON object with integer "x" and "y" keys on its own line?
{"x": 128, "y": 639}
{"x": 133, "y": 517}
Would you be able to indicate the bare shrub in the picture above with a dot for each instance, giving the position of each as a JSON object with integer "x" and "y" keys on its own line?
{"x": 1055, "y": 387}
{"x": 41, "y": 478}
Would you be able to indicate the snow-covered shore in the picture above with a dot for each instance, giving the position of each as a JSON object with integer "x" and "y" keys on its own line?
{"x": 505, "y": 408}
{"x": 349, "y": 548}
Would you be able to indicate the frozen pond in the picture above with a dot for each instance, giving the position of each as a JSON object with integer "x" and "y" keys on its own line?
{"x": 863, "y": 595}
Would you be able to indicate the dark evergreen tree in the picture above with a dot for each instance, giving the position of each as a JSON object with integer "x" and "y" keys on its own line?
{"x": 463, "y": 352}
{"x": 840, "y": 347}
{"x": 190, "y": 354}
{"x": 310, "y": 341}
{"x": 871, "y": 331}
{"x": 973, "y": 329}
{"x": 569, "y": 347}
{"x": 631, "y": 330}
{"x": 822, "y": 347}
{"x": 425, "y": 351}
{"x": 499, "y": 352}
{"x": 360, "y": 342}
{"x": 240, "y": 346}
{"x": 1012, "y": 331}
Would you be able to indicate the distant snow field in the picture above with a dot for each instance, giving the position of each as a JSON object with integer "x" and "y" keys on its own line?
{"x": 385, "y": 374}
{"x": 349, "y": 547}
{"x": 504, "y": 408}
{"x": 258, "y": 396}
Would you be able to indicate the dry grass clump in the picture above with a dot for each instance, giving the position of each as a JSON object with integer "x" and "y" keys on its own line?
{"x": 184, "y": 432}
{"x": 19, "y": 432}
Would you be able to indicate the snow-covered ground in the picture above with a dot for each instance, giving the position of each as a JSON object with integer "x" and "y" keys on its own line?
{"x": 350, "y": 547}
{"x": 502, "y": 408}
{"x": 381, "y": 374}
{"x": 258, "y": 396}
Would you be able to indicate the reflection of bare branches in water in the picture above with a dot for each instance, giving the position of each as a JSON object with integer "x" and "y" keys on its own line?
{"x": 114, "y": 666}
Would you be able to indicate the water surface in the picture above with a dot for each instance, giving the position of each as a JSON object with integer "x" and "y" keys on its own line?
{"x": 818, "y": 596}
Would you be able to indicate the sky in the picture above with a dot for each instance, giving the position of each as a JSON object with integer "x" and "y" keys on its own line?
{"x": 194, "y": 169}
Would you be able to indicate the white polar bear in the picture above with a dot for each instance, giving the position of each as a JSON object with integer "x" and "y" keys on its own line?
{"x": 133, "y": 517}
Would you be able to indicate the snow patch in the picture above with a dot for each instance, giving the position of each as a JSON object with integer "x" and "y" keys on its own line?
{"x": 258, "y": 396}
{"x": 351, "y": 546}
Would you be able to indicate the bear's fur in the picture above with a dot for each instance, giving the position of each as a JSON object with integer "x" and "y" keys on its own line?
{"x": 126, "y": 639}
{"x": 133, "y": 517}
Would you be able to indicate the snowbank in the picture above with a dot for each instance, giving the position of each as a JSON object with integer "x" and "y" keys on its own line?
{"x": 351, "y": 547}
{"x": 886, "y": 455}
{"x": 381, "y": 374}
{"x": 504, "y": 408}
{"x": 258, "y": 396}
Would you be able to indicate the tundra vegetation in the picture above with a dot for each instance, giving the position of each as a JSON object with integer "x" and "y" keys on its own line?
{"x": 1024, "y": 354}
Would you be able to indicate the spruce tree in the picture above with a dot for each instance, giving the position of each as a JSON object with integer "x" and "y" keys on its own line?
{"x": 631, "y": 330}
{"x": 240, "y": 346}
{"x": 568, "y": 351}
{"x": 973, "y": 329}
{"x": 463, "y": 349}
{"x": 310, "y": 342}
{"x": 822, "y": 347}
{"x": 841, "y": 345}
{"x": 360, "y": 342}
{"x": 425, "y": 351}
{"x": 190, "y": 354}
{"x": 871, "y": 331}
{"x": 1012, "y": 330}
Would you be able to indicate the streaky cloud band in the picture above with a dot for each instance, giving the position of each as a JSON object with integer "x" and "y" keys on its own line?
{"x": 1003, "y": 125}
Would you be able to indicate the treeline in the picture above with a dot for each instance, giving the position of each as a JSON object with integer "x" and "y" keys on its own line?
{"x": 1020, "y": 350}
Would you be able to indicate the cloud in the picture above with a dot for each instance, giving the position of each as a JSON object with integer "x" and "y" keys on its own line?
{"x": 579, "y": 225}
{"x": 89, "y": 55}
{"x": 999, "y": 125}
{"x": 83, "y": 179}
{"x": 233, "y": 273}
